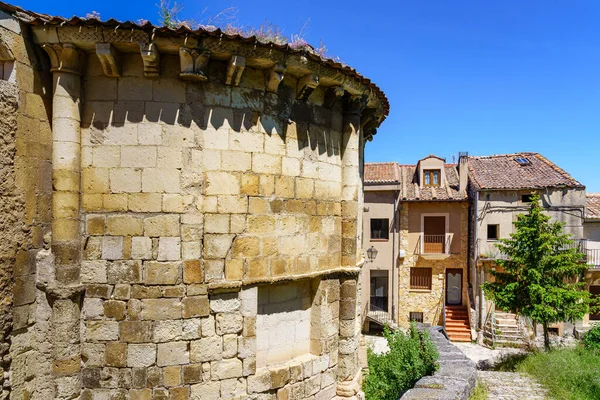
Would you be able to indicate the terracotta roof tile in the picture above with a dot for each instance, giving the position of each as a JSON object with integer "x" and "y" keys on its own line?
{"x": 592, "y": 206}
{"x": 449, "y": 191}
{"x": 382, "y": 173}
{"x": 504, "y": 172}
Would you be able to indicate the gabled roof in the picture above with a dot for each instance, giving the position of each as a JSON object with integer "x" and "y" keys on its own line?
{"x": 387, "y": 172}
{"x": 502, "y": 171}
{"x": 411, "y": 191}
{"x": 592, "y": 206}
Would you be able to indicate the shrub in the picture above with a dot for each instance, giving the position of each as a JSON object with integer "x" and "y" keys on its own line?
{"x": 412, "y": 355}
{"x": 591, "y": 340}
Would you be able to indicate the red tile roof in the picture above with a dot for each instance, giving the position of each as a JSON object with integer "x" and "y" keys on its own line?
{"x": 503, "y": 172}
{"x": 592, "y": 206}
{"x": 388, "y": 172}
{"x": 411, "y": 191}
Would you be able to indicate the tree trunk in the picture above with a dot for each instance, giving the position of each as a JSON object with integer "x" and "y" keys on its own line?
{"x": 546, "y": 336}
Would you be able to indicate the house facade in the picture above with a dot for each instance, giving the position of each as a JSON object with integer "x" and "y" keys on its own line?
{"x": 591, "y": 232}
{"x": 422, "y": 257}
{"x": 500, "y": 187}
{"x": 180, "y": 211}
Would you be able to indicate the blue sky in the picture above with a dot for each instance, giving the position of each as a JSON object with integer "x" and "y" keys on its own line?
{"x": 487, "y": 77}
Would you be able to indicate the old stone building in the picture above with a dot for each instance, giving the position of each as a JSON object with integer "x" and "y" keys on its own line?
{"x": 416, "y": 216}
{"x": 180, "y": 213}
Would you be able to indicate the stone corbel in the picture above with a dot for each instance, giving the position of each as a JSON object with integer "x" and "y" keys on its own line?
{"x": 151, "y": 59}
{"x": 371, "y": 119}
{"x": 274, "y": 76}
{"x": 307, "y": 85}
{"x": 235, "y": 69}
{"x": 355, "y": 104}
{"x": 109, "y": 59}
{"x": 332, "y": 95}
{"x": 193, "y": 64}
{"x": 64, "y": 57}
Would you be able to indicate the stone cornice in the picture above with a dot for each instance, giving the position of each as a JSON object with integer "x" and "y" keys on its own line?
{"x": 197, "y": 49}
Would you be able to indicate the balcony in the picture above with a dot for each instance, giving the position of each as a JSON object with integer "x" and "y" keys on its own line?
{"x": 592, "y": 258}
{"x": 434, "y": 246}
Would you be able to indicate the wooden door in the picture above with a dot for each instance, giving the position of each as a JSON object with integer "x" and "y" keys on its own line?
{"x": 595, "y": 292}
{"x": 454, "y": 287}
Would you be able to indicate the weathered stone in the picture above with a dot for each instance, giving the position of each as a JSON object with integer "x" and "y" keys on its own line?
{"x": 175, "y": 353}
{"x": 141, "y": 355}
{"x": 229, "y": 323}
{"x": 206, "y": 349}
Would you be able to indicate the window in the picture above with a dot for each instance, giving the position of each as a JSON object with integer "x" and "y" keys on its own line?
{"x": 420, "y": 278}
{"x": 380, "y": 229}
{"x": 379, "y": 290}
{"x": 493, "y": 231}
{"x": 522, "y": 161}
{"x": 526, "y": 198}
{"x": 431, "y": 177}
{"x": 415, "y": 316}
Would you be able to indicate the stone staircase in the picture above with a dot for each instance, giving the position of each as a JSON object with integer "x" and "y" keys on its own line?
{"x": 504, "y": 330}
{"x": 457, "y": 324}
{"x": 380, "y": 317}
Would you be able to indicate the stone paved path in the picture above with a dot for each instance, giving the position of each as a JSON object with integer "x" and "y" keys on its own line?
{"x": 510, "y": 386}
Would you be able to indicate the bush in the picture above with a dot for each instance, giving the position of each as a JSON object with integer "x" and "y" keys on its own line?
{"x": 591, "y": 340}
{"x": 412, "y": 355}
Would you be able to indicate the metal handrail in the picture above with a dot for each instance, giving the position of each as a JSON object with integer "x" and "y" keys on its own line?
{"x": 379, "y": 314}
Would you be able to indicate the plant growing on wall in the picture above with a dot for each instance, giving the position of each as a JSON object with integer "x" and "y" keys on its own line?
{"x": 540, "y": 277}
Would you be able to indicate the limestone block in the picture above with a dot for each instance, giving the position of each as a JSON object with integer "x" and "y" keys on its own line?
{"x": 93, "y": 271}
{"x": 123, "y": 225}
{"x": 114, "y": 202}
{"x": 174, "y": 353}
{"x": 160, "y": 309}
{"x": 226, "y": 369}
{"x": 266, "y": 185}
{"x": 206, "y": 349}
{"x": 206, "y": 391}
{"x": 169, "y": 248}
{"x": 230, "y": 345}
{"x": 106, "y": 156}
{"x": 173, "y": 203}
{"x": 247, "y": 347}
{"x": 130, "y": 88}
{"x": 216, "y": 223}
{"x": 114, "y": 309}
{"x": 116, "y": 354}
{"x": 192, "y": 271}
{"x": 95, "y": 224}
{"x": 141, "y": 248}
{"x": 192, "y": 373}
{"x": 195, "y": 306}
{"x": 112, "y": 247}
{"x": 246, "y": 141}
{"x": 92, "y": 354}
{"x": 149, "y": 134}
{"x": 209, "y": 160}
{"x": 217, "y": 246}
{"x": 161, "y": 180}
{"x": 229, "y": 323}
{"x": 236, "y": 161}
{"x": 92, "y": 308}
{"x": 138, "y": 156}
{"x": 122, "y": 292}
{"x": 233, "y": 388}
{"x": 261, "y": 224}
{"x": 191, "y": 250}
{"x": 232, "y": 204}
{"x": 141, "y": 355}
{"x": 261, "y": 382}
{"x": 145, "y": 202}
{"x": 266, "y": 164}
{"x": 135, "y": 331}
{"x": 94, "y": 180}
{"x": 162, "y": 273}
{"x": 290, "y": 166}
{"x": 214, "y": 270}
{"x": 124, "y": 180}
{"x": 102, "y": 330}
{"x": 216, "y": 139}
{"x": 245, "y": 246}
{"x": 167, "y": 330}
{"x": 218, "y": 182}
{"x": 257, "y": 205}
{"x": 161, "y": 225}
{"x": 224, "y": 303}
{"x": 124, "y": 272}
{"x": 171, "y": 373}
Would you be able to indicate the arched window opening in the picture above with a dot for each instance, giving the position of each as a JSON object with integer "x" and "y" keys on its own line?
{"x": 7, "y": 62}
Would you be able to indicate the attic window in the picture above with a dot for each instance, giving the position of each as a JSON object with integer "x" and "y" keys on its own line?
{"x": 522, "y": 161}
{"x": 431, "y": 177}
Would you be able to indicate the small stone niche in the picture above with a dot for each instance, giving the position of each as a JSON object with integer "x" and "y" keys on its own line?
{"x": 283, "y": 323}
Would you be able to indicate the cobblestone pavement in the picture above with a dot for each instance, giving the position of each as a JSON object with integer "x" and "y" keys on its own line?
{"x": 510, "y": 386}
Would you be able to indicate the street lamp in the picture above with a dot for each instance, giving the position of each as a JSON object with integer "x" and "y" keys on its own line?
{"x": 372, "y": 253}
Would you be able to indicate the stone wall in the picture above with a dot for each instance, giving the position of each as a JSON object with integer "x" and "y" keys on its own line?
{"x": 176, "y": 198}
{"x": 25, "y": 206}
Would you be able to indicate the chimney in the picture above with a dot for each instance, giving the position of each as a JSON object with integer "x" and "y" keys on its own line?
{"x": 463, "y": 170}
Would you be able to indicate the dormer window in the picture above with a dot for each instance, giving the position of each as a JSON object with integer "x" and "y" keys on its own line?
{"x": 431, "y": 177}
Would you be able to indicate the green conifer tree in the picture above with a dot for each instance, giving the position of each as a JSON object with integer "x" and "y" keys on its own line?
{"x": 541, "y": 275}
